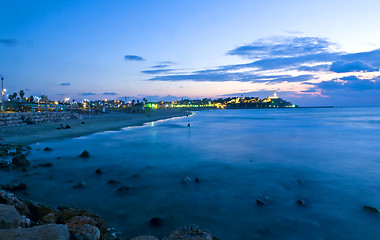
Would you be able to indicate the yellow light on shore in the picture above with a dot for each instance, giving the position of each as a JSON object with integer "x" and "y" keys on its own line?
{"x": 56, "y": 103}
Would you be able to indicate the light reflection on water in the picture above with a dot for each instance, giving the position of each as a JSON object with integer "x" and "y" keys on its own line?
{"x": 238, "y": 156}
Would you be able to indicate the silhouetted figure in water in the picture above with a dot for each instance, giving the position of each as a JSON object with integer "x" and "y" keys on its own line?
{"x": 67, "y": 126}
{"x": 188, "y": 124}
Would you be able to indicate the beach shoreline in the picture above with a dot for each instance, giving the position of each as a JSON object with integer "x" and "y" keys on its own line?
{"x": 86, "y": 125}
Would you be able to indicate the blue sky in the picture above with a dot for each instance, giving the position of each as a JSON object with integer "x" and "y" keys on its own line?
{"x": 310, "y": 52}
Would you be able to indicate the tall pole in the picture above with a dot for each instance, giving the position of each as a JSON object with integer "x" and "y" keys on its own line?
{"x": 2, "y": 94}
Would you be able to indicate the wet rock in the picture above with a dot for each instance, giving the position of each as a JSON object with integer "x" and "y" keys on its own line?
{"x": 20, "y": 161}
{"x": 197, "y": 180}
{"x": 49, "y": 218}
{"x": 84, "y": 154}
{"x": 81, "y": 184}
{"x": 191, "y": 232}
{"x": 260, "y": 202}
{"x": 85, "y": 232}
{"x": 113, "y": 182}
{"x": 76, "y": 218}
{"x": 145, "y": 237}
{"x": 43, "y": 232}
{"x": 301, "y": 202}
{"x": 11, "y": 199}
{"x": 38, "y": 211}
{"x": 25, "y": 222}
{"x": 5, "y": 165}
{"x": 98, "y": 171}
{"x": 371, "y": 209}
{"x": 13, "y": 188}
{"x": 9, "y": 217}
{"x": 156, "y": 222}
{"x": 124, "y": 189}
{"x": 186, "y": 180}
{"x": 45, "y": 165}
{"x": 47, "y": 149}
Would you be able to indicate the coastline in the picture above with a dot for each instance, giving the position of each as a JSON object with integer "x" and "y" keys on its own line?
{"x": 29, "y": 134}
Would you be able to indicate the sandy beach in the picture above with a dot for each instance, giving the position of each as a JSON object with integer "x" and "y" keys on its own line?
{"x": 28, "y": 134}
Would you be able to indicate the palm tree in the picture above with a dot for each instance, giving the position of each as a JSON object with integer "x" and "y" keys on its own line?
{"x": 14, "y": 96}
{"x": 22, "y": 93}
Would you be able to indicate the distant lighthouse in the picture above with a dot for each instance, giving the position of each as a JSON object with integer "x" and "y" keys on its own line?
{"x": 274, "y": 96}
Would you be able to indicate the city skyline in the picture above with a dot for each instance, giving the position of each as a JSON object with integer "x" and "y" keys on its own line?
{"x": 311, "y": 53}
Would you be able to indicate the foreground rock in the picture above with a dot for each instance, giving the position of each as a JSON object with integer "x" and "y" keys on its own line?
{"x": 25, "y": 220}
{"x": 145, "y": 237}
{"x": 43, "y": 232}
{"x": 28, "y": 221}
{"x": 191, "y": 232}
{"x": 9, "y": 217}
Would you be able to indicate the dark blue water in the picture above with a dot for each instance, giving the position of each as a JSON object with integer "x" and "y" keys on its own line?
{"x": 238, "y": 156}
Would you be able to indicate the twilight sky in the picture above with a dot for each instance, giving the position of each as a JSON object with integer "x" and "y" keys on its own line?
{"x": 310, "y": 52}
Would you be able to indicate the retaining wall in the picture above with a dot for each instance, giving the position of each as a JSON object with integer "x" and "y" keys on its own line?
{"x": 22, "y": 118}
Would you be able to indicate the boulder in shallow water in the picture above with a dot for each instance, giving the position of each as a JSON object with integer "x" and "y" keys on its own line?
{"x": 5, "y": 165}
{"x": 84, "y": 154}
{"x": 260, "y": 202}
{"x": 9, "y": 217}
{"x": 113, "y": 182}
{"x": 156, "y": 222}
{"x": 12, "y": 188}
{"x": 371, "y": 209}
{"x": 45, "y": 165}
{"x": 43, "y": 232}
{"x": 81, "y": 184}
{"x": 47, "y": 149}
{"x": 20, "y": 161}
{"x": 124, "y": 189}
{"x": 191, "y": 232}
{"x": 98, "y": 171}
{"x": 301, "y": 202}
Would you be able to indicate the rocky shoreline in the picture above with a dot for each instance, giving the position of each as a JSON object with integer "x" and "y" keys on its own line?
{"x": 27, "y": 220}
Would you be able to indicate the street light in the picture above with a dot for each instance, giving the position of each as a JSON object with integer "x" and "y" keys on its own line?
{"x": 2, "y": 94}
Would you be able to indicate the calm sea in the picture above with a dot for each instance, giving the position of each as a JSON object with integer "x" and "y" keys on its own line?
{"x": 329, "y": 158}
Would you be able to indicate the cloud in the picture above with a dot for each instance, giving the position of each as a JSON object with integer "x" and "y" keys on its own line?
{"x": 8, "y": 42}
{"x": 161, "y": 66}
{"x": 282, "y": 47}
{"x": 133, "y": 58}
{"x": 65, "y": 84}
{"x": 355, "y": 66}
{"x": 158, "y": 71}
{"x": 349, "y": 84}
{"x": 314, "y": 66}
{"x": 259, "y": 93}
{"x": 110, "y": 93}
{"x": 88, "y": 94}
